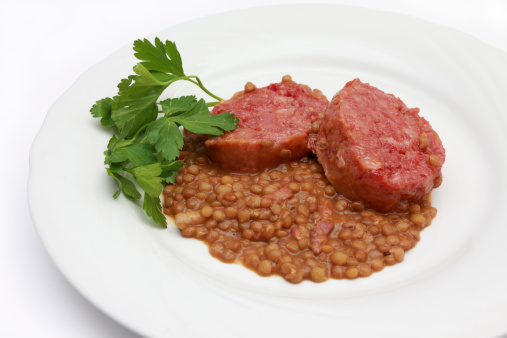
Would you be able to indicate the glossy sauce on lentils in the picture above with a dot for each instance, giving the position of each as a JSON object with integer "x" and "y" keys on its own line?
{"x": 287, "y": 221}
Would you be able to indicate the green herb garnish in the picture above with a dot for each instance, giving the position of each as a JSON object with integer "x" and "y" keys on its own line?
{"x": 146, "y": 137}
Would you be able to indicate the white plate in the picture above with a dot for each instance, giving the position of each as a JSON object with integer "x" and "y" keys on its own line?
{"x": 453, "y": 284}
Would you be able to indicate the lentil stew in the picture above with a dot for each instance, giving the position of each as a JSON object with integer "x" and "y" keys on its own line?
{"x": 287, "y": 221}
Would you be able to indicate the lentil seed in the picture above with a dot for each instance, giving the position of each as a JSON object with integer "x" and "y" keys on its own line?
{"x": 339, "y": 258}
{"x": 418, "y": 219}
{"x": 187, "y": 178}
{"x": 249, "y": 87}
{"x": 434, "y": 161}
{"x": 352, "y": 272}
{"x": 423, "y": 141}
{"x": 286, "y": 78}
{"x": 268, "y": 232}
{"x": 402, "y": 226}
{"x": 218, "y": 215}
{"x": 207, "y": 211}
{"x": 341, "y": 205}
{"x": 315, "y": 127}
{"x": 318, "y": 275}
{"x": 302, "y": 210}
{"x": 256, "y": 226}
{"x": 231, "y": 213}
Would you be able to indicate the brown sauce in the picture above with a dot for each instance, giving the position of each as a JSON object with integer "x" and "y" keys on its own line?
{"x": 271, "y": 222}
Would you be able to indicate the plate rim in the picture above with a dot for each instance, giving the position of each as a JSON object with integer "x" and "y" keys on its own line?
{"x": 121, "y": 51}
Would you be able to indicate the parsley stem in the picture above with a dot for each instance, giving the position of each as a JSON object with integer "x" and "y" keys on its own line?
{"x": 145, "y": 138}
{"x": 139, "y": 131}
{"x": 198, "y": 82}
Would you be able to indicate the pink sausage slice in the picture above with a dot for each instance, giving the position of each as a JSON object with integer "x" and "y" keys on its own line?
{"x": 275, "y": 122}
{"x": 376, "y": 150}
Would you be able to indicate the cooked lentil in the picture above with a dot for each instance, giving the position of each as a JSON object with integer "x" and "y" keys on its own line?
{"x": 287, "y": 221}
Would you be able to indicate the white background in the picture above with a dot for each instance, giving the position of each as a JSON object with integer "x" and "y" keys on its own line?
{"x": 44, "y": 47}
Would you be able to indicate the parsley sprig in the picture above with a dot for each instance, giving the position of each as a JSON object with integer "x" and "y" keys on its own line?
{"x": 146, "y": 137}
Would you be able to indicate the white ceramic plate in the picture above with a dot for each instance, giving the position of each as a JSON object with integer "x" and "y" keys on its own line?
{"x": 453, "y": 284}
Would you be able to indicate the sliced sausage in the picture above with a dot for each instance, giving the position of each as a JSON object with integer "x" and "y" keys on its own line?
{"x": 274, "y": 125}
{"x": 376, "y": 150}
